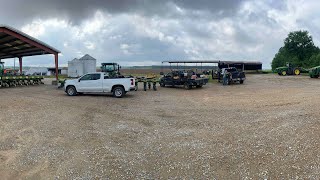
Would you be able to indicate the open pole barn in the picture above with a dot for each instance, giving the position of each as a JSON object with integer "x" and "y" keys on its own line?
{"x": 16, "y": 44}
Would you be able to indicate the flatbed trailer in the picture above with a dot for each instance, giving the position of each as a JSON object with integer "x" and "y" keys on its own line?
{"x": 13, "y": 81}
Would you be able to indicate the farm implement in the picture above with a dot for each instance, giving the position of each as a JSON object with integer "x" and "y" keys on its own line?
{"x": 11, "y": 79}
{"x": 150, "y": 80}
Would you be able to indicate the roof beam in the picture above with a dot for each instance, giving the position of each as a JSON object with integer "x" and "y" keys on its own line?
{"x": 32, "y": 53}
{"x": 4, "y": 36}
{"x": 10, "y": 41}
{"x": 14, "y": 46}
{"x": 22, "y": 50}
{"x": 27, "y": 40}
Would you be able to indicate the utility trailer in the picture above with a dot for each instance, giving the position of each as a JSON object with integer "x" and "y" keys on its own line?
{"x": 187, "y": 78}
{"x": 181, "y": 78}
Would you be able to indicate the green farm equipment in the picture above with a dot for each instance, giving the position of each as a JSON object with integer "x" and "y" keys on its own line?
{"x": 112, "y": 68}
{"x": 289, "y": 69}
{"x": 13, "y": 79}
{"x": 148, "y": 81}
{"x": 314, "y": 72}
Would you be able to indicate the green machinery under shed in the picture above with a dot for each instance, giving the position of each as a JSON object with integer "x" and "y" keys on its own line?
{"x": 16, "y": 44}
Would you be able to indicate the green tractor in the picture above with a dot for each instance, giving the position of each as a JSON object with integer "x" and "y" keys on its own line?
{"x": 314, "y": 72}
{"x": 289, "y": 69}
{"x": 112, "y": 68}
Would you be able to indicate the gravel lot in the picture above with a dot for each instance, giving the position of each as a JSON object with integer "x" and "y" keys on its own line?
{"x": 267, "y": 128}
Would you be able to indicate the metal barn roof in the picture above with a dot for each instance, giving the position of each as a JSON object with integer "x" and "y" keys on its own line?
{"x": 14, "y": 43}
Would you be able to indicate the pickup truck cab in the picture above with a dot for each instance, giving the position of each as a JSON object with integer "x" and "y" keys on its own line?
{"x": 99, "y": 82}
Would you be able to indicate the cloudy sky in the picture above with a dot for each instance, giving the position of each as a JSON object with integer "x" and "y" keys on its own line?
{"x": 145, "y": 32}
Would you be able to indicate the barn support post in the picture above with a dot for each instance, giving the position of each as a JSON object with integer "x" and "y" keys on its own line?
{"x": 20, "y": 64}
{"x": 56, "y": 65}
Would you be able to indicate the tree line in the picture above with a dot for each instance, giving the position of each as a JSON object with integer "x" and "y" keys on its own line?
{"x": 299, "y": 50}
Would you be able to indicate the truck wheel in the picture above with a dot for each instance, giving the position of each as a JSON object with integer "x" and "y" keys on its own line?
{"x": 71, "y": 91}
{"x": 241, "y": 81}
{"x": 199, "y": 86}
{"x": 162, "y": 84}
{"x": 118, "y": 92}
{"x": 297, "y": 72}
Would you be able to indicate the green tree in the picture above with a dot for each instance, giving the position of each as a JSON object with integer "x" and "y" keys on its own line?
{"x": 298, "y": 49}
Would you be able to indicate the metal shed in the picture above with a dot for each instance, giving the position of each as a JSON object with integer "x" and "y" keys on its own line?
{"x": 16, "y": 44}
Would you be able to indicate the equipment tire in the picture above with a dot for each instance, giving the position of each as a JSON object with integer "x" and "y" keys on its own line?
{"x": 296, "y": 71}
{"x": 71, "y": 91}
{"x": 284, "y": 73}
{"x": 118, "y": 92}
{"x": 186, "y": 86}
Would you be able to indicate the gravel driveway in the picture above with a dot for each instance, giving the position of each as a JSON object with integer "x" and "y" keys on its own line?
{"x": 268, "y": 127}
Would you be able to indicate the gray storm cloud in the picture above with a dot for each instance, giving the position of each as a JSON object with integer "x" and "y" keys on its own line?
{"x": 76, "y": 10}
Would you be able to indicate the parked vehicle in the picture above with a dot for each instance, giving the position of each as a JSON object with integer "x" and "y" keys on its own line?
{"x": 231, "y": 75}
{"x": 289, "y": 69}
{"x": 188, "y": 79}
{"x": 99, "y": 83}
{"x": 314, "y": 72}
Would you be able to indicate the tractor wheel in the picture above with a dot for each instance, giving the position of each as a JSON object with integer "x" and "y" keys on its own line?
{"x": 297, "y": 72}
{"x": 284, "y": 73}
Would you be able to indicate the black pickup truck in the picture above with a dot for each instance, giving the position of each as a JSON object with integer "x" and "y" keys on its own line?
{"x": 179, "y": 78}
{"x": 231, "y": 75}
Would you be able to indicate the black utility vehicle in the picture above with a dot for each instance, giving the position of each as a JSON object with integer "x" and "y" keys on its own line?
{"x": 188, "y": 79}
{"x": 231, "y": 75}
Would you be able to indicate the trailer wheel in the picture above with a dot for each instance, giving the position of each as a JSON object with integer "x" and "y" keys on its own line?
{"x": 71, "y": 91}
{"x": 187, "y": 86}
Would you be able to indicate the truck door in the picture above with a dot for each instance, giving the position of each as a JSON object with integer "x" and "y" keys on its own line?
{"x": 90, "y": 83}
{"x": 107, "y": 83}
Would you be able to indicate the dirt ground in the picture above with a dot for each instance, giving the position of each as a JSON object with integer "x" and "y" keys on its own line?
{"x": 268, "y": 128}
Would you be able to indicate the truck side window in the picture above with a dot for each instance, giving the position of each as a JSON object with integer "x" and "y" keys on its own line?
{"x": 106, "y": 77}
{"x": 86, "y": 77}
{"x": 95, "y": 76}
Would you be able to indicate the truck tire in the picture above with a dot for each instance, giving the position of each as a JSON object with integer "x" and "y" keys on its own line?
{"x": 241, "y": 81}
{"x": 118, "y": 92}
{"x": 199, "y": 86}
{"x": 71, "y": 91}
{"x": 162, "y": 84}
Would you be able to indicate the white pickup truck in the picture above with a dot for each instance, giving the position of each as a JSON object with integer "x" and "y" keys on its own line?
{"x": 99, "y": 82}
